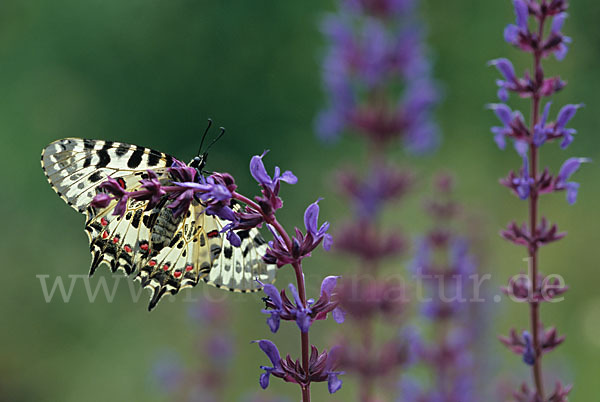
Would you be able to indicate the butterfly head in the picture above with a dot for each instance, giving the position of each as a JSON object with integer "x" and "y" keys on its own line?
{"x": 199, "y": 161}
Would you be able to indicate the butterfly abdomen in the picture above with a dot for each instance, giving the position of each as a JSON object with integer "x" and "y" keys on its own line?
{"x": 164, "y": 229}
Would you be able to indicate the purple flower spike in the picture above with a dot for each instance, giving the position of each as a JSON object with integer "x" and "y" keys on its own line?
{"x": 531, "y": 182}
{"x": 570, "y": 166}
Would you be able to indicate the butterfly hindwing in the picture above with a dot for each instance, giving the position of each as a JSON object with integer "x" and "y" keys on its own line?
{"x": 237, "y": 268}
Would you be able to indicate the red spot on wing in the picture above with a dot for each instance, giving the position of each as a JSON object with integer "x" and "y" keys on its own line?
{"x": 151, "y": 263}
{"x": 116, "y": 239}
{"x": 177, "y": 274}
{"x": 121, "y": 182}
{"x": 104, "y": 235}
{"x": 103, "y": 221}
{"x": 127, "y": 249}
{"x": 189, "y": 267}
{"x": 212, "y": 233}
{"x": 166, "y": 267}
{"x": 144, "y": 247}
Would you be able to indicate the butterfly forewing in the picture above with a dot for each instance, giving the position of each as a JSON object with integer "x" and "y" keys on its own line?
{"x": 74, "y": 167}
{"x": 165, "y": 253}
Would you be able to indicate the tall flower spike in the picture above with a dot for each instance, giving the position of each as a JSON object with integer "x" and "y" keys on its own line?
{"x": 533, "y": 182}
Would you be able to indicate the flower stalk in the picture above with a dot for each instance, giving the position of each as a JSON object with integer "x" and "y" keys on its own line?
{"x": 530, "y": 183}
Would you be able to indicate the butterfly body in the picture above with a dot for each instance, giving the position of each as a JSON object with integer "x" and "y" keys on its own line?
{"x": 165, "y": 252}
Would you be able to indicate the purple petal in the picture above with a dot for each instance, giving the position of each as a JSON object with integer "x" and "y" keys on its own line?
{"x": 327, "y": 241}
{"x": 502, "y": 94}
{"x": 505, "y": 67}
{"x": 567, "y": 138}
{"x": 522, "y": 12}
{"x": 311, "y": 217}
{"x": 121, "y": 206}
{"x": 558, "y": 21}
{"x": 561, "y": 51}
{"x": 271, "y": 351}
{"x": 233, "y": 238}
{"x": 303, "y": 320}
{"x": 572, "y": 189}
{"x": 220, "y": 192}
{"x": 499, "y": 137}
{"x": 273, "y": 321}
{"x": 503, "y": 112}
{"x": 333, "y": 356}
{"x": 328, "y": 285}
{"x": 566, "y": 114}
{"x": 264, "y": 380}
{"x": 273, "y": 293}
{"x": 113, "y": 187}
{"x": 528, "y": 353}
{"x": 511, "y": 34}
{"x": 323, "y": 229}
{"x": 339, "y": 315}
{"x": 101, "y": 200}
{"x": 333, "y": 383}
{"x": 288, "y": 177}
{"x": 296, "y": 296}
{"x": 521, "y": 147}
{"x": 258, "y": 171}
{"x": 570, "y": 166}
{"x": 545, "y": 114}
{"x": 224, "y": 213}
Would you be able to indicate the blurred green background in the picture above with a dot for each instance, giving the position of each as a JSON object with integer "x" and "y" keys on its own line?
{"x": 151, "y": 72}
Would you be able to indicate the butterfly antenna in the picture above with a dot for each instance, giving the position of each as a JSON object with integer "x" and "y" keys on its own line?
{"x": 204, "y": 135}
{"x": 216, "y": 139}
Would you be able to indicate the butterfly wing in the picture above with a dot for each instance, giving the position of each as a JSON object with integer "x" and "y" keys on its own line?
{"x": 75, "y": 167}
{"x": 237, "y": 268}
{"x": 137, "y": 244}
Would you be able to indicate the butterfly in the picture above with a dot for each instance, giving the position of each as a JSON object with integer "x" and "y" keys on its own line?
{"x": 166, "y": 253}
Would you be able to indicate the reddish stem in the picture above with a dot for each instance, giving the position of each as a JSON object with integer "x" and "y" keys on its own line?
{"x": 305, "y": 344}
{"x": 533, "y": 219}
